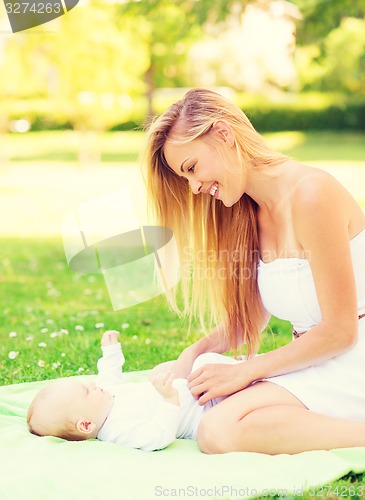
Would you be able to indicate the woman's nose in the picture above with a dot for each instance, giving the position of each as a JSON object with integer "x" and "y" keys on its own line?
{"x": 195, "y": 186}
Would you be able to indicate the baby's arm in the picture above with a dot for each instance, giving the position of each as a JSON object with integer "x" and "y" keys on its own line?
{"x": 110, "y": 364}
{"x": 162, "y": 382}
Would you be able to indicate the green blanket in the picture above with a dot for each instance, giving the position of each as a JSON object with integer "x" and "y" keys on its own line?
{"x": 51, "y": 469}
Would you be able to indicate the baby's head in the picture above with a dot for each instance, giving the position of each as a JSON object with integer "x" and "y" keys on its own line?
{"x": 69, "y": 409}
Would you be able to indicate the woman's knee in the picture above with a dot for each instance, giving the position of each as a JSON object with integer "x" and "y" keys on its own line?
{"x": 216, "y": 435}
{"x": 208, "y": 435}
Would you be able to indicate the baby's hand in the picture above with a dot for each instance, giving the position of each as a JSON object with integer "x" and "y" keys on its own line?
{"x": 163, "y": 384}
{"x": 110, "y": 337}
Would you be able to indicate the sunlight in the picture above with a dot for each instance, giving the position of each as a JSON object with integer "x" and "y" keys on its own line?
{"x": 284, "y": 141}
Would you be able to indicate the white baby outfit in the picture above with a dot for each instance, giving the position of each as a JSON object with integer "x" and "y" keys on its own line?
{"x": 140, "y": 418}
{"x": 335, "y": 387}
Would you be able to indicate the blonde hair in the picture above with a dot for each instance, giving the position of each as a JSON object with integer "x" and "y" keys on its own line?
{"x": 218, "y": 246}
{"x": 43, "y": 417}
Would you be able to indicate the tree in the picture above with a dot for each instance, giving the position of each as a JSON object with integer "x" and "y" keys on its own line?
{"x": 82, "y": 65}
{"x": 320, "y": 17}
{"x": 332, "y": 45}
{"x": 168, "y": 29}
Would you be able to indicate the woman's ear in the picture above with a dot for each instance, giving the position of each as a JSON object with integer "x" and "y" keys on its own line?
{"x": 225, "y": 132}
{"x": 85, "y": 426}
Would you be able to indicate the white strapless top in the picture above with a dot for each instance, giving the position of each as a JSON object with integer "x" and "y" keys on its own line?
{"x": 288, "y": 292}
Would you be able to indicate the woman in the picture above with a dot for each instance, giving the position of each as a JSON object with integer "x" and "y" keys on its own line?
{"x": 261, "y": 234}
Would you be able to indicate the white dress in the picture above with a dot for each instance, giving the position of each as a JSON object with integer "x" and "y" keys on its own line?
{"x": 335, "y": 387}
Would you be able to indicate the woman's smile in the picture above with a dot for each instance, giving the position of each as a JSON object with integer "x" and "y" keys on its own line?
{"x": 214, "y": 189}
{"x": 206, "y": 170}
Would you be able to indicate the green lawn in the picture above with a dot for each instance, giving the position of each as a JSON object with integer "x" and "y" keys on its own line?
{"x": 125, "y": 146}
{"x": 53, "y": 318}
{"x": 320, "y": 146}
{"x": 64, "y": 146}
{"x": 44, "y": 302}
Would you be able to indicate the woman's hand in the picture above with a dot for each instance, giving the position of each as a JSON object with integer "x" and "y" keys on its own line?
{"x": 215, "y": 380}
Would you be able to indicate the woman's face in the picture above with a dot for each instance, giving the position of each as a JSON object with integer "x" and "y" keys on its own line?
{"x": 205, "y": 169}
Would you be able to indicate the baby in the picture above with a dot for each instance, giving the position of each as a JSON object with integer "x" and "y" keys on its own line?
{"x": 146, "y": 415}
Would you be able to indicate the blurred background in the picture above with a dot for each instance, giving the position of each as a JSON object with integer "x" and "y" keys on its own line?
{"x": 76, "y": 92}
{"x": 75, "y": 95}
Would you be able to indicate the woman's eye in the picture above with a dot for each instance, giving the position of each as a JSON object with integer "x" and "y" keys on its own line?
{"x": 191, "y": 169}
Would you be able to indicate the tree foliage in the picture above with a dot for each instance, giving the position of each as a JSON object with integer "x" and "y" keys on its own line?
{"x": 331, "y": 39}
{"x": 91, "y": 63}
{"x": 320, "y": 17}
{"x": 168, "y": 29}
{"x": 196, "y": 12}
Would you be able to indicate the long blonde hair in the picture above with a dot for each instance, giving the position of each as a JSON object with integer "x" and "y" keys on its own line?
{"x": 218, "y": 246}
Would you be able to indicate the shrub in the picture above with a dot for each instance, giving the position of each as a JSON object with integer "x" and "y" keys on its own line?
{"x": 303, "y": 112}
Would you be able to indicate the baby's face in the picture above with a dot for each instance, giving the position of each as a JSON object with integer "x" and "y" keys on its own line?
{"x": 82, "y": 400}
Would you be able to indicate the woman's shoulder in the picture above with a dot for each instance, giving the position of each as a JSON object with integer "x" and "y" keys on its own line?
{"x": 312, "y": 185}
{"x": 315, "y": 192}
{"x": 319, "y": 200}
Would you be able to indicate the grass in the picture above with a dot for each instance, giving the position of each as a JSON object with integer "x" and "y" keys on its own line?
{"x": 52, "y": 318}
{"x": 46, "y": 303}
{"x": 64, "y": 146}
{"x": 124, "y": 146}
{"x": 321, "y": 146}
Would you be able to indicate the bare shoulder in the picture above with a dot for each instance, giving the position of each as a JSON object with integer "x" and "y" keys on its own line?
{"x": 320, "y": 210}
{"x": 314, "y": 187}
{"x": 318, "y": 194}
{"x": 320, "y": 199}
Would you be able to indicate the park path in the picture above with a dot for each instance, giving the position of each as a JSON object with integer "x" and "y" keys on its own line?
{"x": 34, "y": 197}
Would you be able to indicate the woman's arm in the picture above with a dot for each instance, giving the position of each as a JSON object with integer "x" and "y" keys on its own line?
{"x": 321, "y": 222}
{"x": 181, "y": 367}
{"x": 216, "y": 341}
